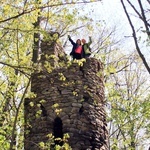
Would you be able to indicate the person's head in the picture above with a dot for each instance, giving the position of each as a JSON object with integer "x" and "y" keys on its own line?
{"x": 78, "y": 41}
{"x": 83, "y": 41}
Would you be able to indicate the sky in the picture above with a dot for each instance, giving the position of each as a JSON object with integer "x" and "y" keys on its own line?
{"x": 112, "y": 12}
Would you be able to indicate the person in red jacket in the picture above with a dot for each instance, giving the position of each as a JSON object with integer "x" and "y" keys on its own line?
{"x": 77, "y": 51}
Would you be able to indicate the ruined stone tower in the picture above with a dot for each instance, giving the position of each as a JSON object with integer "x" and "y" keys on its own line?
{"x": 69, "y": 100}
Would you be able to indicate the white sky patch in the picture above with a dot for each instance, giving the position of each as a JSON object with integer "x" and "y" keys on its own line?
{"x": 113, "y": 14}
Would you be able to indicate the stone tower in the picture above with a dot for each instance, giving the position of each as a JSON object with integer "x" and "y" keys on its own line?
{"x": 69, "y": 100}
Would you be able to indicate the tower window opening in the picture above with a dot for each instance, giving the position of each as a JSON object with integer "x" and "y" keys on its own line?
{"x": 58, "y": 131}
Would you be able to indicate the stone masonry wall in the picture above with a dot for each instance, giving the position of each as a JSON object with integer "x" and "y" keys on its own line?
{"x": 69, "y": 99}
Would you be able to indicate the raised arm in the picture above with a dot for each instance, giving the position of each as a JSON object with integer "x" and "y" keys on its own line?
{"x": 72, "y": 42}
{"x": 90, "y": 41}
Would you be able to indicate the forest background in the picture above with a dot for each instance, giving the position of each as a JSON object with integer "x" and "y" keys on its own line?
{"x": 121, "y": 40}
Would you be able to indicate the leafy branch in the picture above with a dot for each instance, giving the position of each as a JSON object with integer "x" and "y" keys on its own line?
{"x": 27, "y": 11}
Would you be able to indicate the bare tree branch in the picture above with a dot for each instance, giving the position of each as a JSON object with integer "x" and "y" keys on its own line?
{"x": 144, "y": 19}
{"x": 141, "y": 16}
{"x": 135, "y": 38}
{"x": 135, "y": 10}
{"x": 148, "y": 1}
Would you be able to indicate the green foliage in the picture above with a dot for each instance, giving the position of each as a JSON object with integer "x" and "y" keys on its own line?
{"x": 56, "y": 108}
{"x": 48, "y": 66}
{"x": 128, "y": 112}
{"x": 50, "y": 144}
{"x": 80, "y": 62}
{"x": 75, "y": 93}
{"x": 61, "y": 77}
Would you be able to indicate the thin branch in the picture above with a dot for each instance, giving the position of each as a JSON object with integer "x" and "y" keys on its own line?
{"x": 141, "y": 16}
{"x": 17, "y": 68}
{"x": 135, "y": 9}
{"x": 144, "y": 19}
{"x": 135, "y": 39}
{"x": 120, "y": 69}
{"x": 122, "y": 125}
